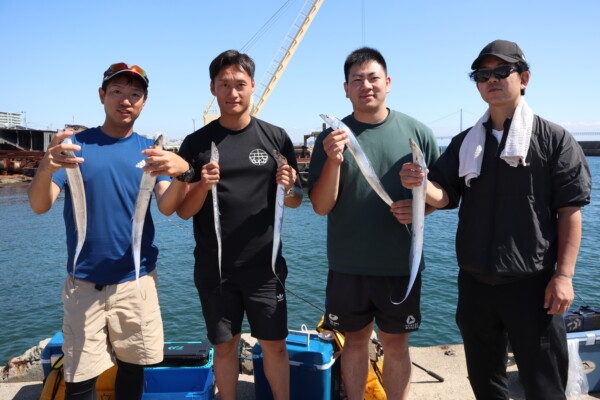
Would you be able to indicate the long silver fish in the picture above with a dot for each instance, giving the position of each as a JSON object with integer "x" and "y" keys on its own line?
{"x": 214, "y": 157}
{"x": 279, "y": 199}
{"x": 141, "y": 207}
{"x": 418, "y": 220}
{"x": 79, "y": 203}
{"x": 361, "y": 158}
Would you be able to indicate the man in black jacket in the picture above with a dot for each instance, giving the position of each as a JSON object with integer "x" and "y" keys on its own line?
{"x": 520, "y": 182}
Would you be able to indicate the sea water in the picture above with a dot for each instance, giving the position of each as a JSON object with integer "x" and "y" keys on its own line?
{"x": 33, "y": 257}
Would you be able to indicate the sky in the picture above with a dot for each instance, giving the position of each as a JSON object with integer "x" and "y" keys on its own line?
{"x": 55, "y": 52}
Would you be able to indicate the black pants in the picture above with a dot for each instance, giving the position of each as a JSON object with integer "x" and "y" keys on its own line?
{"x": 490, "y": 317}
{"x": 129, "y": 384}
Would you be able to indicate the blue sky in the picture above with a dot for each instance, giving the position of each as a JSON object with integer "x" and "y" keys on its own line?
{"x": 54, "y": 54}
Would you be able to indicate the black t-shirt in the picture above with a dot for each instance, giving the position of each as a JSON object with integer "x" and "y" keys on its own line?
{"x": 246, "y": 192}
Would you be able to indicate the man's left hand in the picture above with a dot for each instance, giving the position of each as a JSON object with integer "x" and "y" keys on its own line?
{"x": 559, "y": 295}
{"x": 402, "y": 210}
{"x": 286, "y": 176}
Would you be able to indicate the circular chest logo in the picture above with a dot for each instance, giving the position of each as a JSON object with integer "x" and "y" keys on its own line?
{"x": 258, "y": 157}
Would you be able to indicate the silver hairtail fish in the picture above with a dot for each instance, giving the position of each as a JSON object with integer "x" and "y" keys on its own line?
{"x": 214, "y": 157}
{"x": 418, "y": 220}
{"x": 141, "y": 207}
{"x": 361, "y": 158}
{"x": 279, "y": 199}
{"x": 79, "y": 203}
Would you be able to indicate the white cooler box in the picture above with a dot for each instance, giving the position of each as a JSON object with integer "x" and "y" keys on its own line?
{"x": 589, "y": 351}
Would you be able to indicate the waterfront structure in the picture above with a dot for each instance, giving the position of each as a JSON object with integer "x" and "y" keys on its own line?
{"x": 9, "y": 120}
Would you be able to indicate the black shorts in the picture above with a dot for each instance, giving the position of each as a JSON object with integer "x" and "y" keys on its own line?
{"x": 353, "y": 301}
{"x": 255, "y": 291}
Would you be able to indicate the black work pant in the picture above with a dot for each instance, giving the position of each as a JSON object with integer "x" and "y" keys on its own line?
{"x": 489, "y": 317}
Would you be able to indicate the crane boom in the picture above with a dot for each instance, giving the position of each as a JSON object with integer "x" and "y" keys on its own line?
{"x": 280, "y": 61}
{"x": 286, "y": 51}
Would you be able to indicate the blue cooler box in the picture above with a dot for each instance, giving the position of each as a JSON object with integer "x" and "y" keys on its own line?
{"x": 178, "y": 383}
{"x": 51, "y": 353}
{"x": 314, "y": 374}
{"x": 589, "y": 351}
{"x": 185, "y": 373}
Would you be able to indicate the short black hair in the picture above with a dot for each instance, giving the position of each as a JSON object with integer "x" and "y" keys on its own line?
{"x": 361, "y": 56}
{"x": 522, "y": 66}
{"x": 231, "y": 57}
{"x": 130, "y": 78}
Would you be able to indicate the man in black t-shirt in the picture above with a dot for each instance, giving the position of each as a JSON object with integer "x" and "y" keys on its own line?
{"x": 246, "y": 176}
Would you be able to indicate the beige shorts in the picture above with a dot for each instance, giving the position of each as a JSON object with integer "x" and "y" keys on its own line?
{"x": 120, "y": 318}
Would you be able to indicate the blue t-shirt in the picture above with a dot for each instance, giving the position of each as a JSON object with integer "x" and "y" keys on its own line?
{"x": 111, "y": 180}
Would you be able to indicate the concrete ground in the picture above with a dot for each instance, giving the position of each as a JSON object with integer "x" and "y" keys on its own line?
{"x": 446, "y": 361}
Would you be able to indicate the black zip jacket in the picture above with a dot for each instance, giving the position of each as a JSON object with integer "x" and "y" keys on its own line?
{"x": 507, "y": 228}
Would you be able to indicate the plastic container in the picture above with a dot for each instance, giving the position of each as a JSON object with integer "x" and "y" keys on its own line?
{"x": 51, "y": 353}
{"x": 314, "y": 374}
{"x": 178, "y": 383}
{"x": 589, "y": 351}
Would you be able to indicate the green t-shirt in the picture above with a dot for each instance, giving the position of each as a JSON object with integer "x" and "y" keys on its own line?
{"x": 363, "y": 236}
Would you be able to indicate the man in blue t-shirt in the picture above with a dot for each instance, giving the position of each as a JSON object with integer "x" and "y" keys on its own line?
{"x": 106, "y": 308}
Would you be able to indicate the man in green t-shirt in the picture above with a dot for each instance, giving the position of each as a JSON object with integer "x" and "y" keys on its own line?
{"x": 367, "y": 242}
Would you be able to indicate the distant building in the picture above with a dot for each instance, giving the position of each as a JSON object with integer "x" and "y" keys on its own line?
{"x": 9, "y": 120}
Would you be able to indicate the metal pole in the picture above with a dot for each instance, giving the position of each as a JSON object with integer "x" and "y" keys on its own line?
{"x": 194, "y": 122}
{"x": 460, "y": 120}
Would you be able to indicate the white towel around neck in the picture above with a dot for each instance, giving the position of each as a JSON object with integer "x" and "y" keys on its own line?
{"x": 515, "y": 149}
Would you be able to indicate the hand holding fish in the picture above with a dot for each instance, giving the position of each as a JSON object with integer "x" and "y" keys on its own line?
{"x": 411, "y": 175}
{"x": 334, "y": 145}
{"x": 286, "y": 176}
{"x": 402, "y": 211}
{"x": 209, "y": 175}
{"x": 59, "y": 154}
{"x": 163, "y": 162}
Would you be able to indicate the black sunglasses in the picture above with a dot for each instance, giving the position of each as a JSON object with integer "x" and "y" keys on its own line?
{"x": 483, "y": 75}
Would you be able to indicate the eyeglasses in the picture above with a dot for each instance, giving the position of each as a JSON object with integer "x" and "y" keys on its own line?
{"x": 125, "y": 67}
{"x": 483, "y": 75}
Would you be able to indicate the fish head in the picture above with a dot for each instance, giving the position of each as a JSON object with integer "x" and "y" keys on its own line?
{"x": 416, "y": 152}
{"x": 214, "y": 152}
{"x": 279, "y": 158}
{"x": 333, "y": 122}
{"x": 158, "y": 143}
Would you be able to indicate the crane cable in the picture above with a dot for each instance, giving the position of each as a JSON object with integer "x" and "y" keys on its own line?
{"x": 266, "y": 26}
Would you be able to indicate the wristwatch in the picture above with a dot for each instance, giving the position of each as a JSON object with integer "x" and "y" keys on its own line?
{"x": 188, "y": 176}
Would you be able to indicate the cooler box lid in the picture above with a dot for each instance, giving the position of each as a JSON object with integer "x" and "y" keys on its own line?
{"x": 305, "y": 349}
{"x": 189, "y": 354}
{"x": 587, "y": 338}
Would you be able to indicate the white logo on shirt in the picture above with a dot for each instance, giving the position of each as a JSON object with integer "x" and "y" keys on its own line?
{"x": 258, "y": 157}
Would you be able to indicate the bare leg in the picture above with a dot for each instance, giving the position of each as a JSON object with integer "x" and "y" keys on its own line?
{"x": 355, "y": 362}
{"x": 396, "y": 365}
{"x": 277, "y": 367}
{"x": 226, "y": 367}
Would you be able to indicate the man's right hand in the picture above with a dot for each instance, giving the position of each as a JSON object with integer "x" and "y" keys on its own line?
{"x": 55, "y": 158}
{"x": 334, "y": 144}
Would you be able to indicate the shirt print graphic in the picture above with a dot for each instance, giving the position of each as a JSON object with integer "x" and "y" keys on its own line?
{"x": 258, "y": 157}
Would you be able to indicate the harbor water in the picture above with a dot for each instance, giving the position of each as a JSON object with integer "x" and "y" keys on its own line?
{"x": 33, "y": 256}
